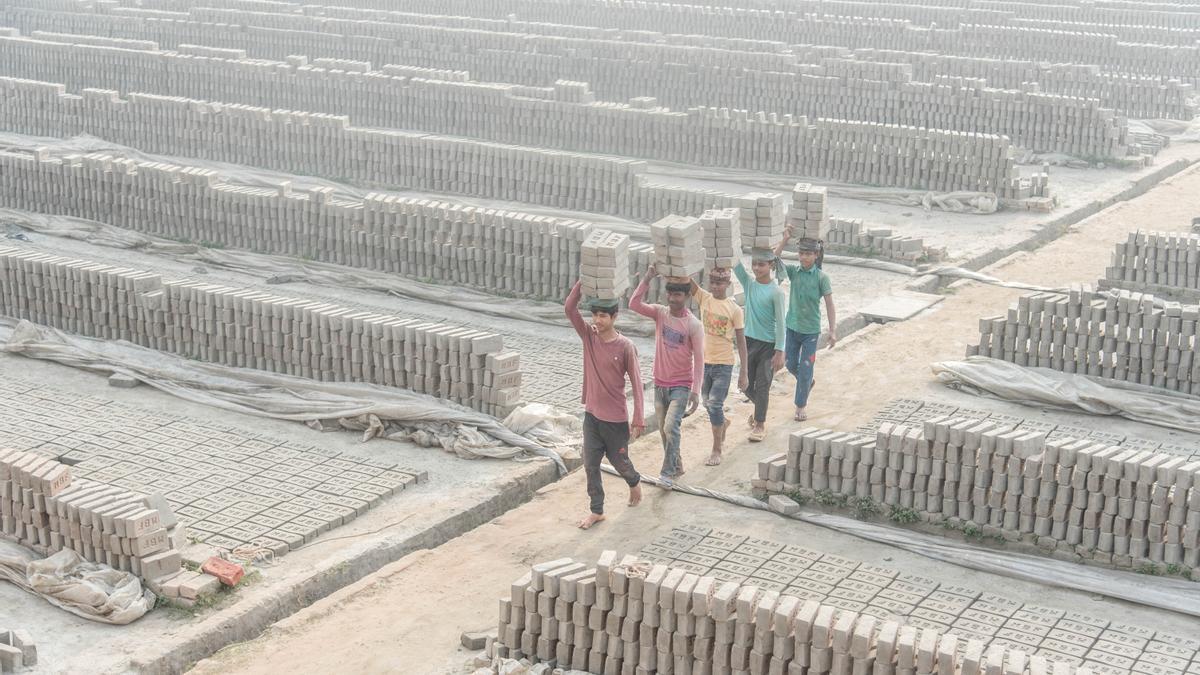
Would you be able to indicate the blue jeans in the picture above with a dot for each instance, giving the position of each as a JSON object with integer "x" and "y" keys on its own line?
{"x": 669, "y": 405}
{"x": 801, "y": 357}
{"x": 716, "y": 387}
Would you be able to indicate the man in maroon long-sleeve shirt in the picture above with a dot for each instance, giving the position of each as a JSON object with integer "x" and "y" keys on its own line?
{"x": 608, "y": 359}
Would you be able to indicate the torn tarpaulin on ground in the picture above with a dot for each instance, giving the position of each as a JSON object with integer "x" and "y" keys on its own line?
{"x": 378, "y": 411}
{"x": 993, "y": 378}
{"x": 64, "y": 579}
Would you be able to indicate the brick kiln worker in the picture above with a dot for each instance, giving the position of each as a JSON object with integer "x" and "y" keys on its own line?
{"x": 678, "y": 366}
{"x": 809, "y": 285}
{"x": 724, "y": 330}
{"x": 608, "y": 359}
{"x": 765, "y": 333}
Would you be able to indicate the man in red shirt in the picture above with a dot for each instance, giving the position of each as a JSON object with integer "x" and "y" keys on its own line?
{"x": 678, "y": 365}
{"x": 608, "y": 359}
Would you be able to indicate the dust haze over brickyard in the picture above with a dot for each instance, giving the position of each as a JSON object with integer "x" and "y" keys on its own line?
{"x": 314, "y": 317}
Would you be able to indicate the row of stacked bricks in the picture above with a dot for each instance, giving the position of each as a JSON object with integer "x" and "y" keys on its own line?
{"x": 629, "y": 617}
{"x": 1115, "y": 505}
{"x": 678, "y": 246}
{"x": 604, "y": 269}
{"x": 44, "y": 507}
{"x": 810, "y": 22}
{"x": 850, "y": 234}
{"x": 828, "y": 89}
{"x": 247, "y": 328}
{"x": 1119, "y": 335}
{"x": 322, "y": 142}
{"x": 489, "y": 249}
{"x": 1166, "y": 263}
{"x": 722, "y": 237}
{"x": 809, "y": 215}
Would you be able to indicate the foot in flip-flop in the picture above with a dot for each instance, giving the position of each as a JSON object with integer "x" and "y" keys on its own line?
{"x": 801, "y": 415}
{"x": 714, "y": 459}
{"x": 592, "y": 519}
{"x": 758, "y": 434}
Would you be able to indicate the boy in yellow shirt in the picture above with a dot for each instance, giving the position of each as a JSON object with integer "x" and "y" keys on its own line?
{"x": 724, "y": 328}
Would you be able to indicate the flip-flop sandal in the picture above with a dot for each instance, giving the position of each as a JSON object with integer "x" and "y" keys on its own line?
{"x": 758, "y": 435}
{"x": 800, "y": 417}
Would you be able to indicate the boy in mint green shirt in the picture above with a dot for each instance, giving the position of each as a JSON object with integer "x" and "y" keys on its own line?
{"x": 809, "y": 285}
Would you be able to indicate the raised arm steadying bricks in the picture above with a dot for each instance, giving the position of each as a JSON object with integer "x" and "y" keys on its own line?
{"x": 678, "y": 366}
{"x": 724, "y": 327}
{"x": 809, "y": 284}
{"x": 765, "y": 333}
{"x": 608, "y": 359}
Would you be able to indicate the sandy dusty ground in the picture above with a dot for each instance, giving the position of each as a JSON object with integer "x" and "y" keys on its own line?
{"x": 408, "y": 617}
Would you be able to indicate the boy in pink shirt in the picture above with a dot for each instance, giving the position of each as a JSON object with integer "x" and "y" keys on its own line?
{"x": 608, "y": 358}
{"x": 678, "y": 366}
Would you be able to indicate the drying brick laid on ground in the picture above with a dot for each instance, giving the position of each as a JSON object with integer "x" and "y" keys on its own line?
{"x": 1164, "y": 263}
{"x": 1116, "y": 505}
{"x": 245, "y": 328}
{"x": 852, "y": 236}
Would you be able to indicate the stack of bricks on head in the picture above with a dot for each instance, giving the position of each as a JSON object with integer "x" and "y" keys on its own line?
{"x": 764, "y": 217}
{"x": 1074, "y": 498}
{"x": 44, "y": 507}
{"x": 629, "y": 617}
{"x": 809, "y": 216}
{"x": 722, "y": 237}
{"x": 678, "y": 246}
{"x": 604, "y": 265}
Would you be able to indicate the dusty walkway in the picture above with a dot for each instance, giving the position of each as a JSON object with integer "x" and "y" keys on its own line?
{"x": 408, "y": 616}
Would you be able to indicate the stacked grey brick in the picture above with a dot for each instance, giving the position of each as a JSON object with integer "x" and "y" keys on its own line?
{"x": 245, "y": 328}
{"x": 1119, "y": 335}
{"x": 1119, "y": 506}
{"x": 326, "y": 144}
{"x": 43, "y": 507}
{"x": 1166, "y": 264}
{"x": 626, "y": 615}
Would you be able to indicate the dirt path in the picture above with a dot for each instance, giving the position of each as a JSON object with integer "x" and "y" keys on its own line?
{"x": 408, "y": 617}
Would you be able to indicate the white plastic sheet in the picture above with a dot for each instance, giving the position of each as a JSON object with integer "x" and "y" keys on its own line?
{"x": 1176, "y": 595}
{"x": 993, "y": 378}
{"x": 64, "y": 579}
{"x": 376, "y": 410}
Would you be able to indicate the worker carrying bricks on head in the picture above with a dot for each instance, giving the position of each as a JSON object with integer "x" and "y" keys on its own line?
{"x": 724, "y": 329}
{"x": 608, "y": 359}
{"x": 809, "y": 284}
{"x": 765, "y": 333}
{"x": 678, "y": 365}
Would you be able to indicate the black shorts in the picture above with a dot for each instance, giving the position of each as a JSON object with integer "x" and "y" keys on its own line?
{"x": 604, "y": 437}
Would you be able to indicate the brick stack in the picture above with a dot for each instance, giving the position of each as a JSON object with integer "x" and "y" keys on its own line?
{"x": 763, "y": 218}
{"x": 489, "y": 249}
{"x": 604, "y": 265}
{"x": 243, "y": 328}
{"x": 809, "y": 215}
{"x": 17, "y": 651}
{"x": 1119, "y": 335}
{"x": 44, "y": 507}
{"x": 852, "y": 236}
{"x": 678, "y": 246}
{"x": 273, "y": 136}
{"x": 722, "y": 237}
{"x": 1163, "y": 263}
{"x": 628, "y": 616}
{"x": 1119, "y": 506}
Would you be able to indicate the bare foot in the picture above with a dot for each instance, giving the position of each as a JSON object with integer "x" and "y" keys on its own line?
{"x": 635, "y": 495}
{"x": 714, "y": 459}
{"x": 591, "y": 520}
